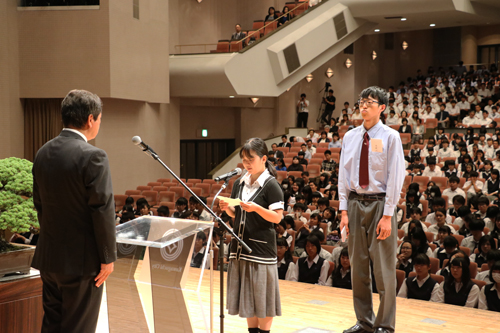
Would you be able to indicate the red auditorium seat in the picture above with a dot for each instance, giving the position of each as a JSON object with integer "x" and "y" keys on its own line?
{"x": 151, "y": 197}
{"x": 160, "y": 188}
{"x": 120, "y": 201}
{"x": 143, "y": 188}
{"x": 323, "y": 144}
{"x": 178, "y": 190}
{"x": 295, "y": 149}
{"x": 215, "y": 189}
{"x": 155, "y": 184}
{"x": 257, "y": 24}
{"x": 296, "y": 174}
{"x": 166, "y": 196}
{"x": 285, "y": 150}
{"x": 314, "y": 170}
{"x": 291, "y": 154}
{"x": 170, "y": 205}
{"x": 132, "y": 192}
{"x": 235, "y": 46}
{"x": 209, "y": 181}
{"x": 405, "y": 138}
{"x": 194, "y": 181}
{"x": 163, "y": 180}
{"x": 431, "y": 123}
{"x": 196, "y": 191}
{"x": 281, "y": 175}
{"x": 270, "y": 27}
{"x": 422, "y": 182}
{"x": 205, "y": 188}
{"x": 222, "y": 47}
{"x": 316, "y": 161}
{"x": 335, "y": 150}
{"x": 441, "y": 182}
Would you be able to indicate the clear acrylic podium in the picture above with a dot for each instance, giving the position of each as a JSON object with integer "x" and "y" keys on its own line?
{"x": 152, "y": 288}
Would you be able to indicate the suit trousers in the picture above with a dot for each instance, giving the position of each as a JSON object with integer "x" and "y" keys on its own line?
{"x": 302, "y": 119}
{"x": 367, "y": 253}
{"x": 71, "y": 303}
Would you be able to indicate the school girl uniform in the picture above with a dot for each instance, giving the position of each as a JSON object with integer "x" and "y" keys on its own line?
{"x": 197, "y": 258}
{"x": 341, "y": 278}
{"x": 286, "y": 268}
{"x": 425, "y": 290}
{"x": 460, "y": 294}
{"x": 252, "y": 286}
{"x": 489, "y": 298}
{"x": 313, "y": 272}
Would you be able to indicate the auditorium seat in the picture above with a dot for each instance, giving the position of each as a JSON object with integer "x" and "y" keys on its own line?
{"x": 151, "y": 197}
{"x": 132, "y": 192}
{"x": 466, "y": 250}
{"x": 210, "y": 200}
{"x": 196, "y": 190}
{"x": 170, "y": 205}
{"x": 401, "y": 233}
{"x": 332, "y": 268}
{"x": 258, "y": 24}
{"x": 119, "y": 201}
{"x": 166, "y": 196}
{"x": 169, "y": 185}
{"x": 209, "y": 181}
{"x": 430, "y": 236}
{"x": 194, "y": 181}
{"x": 425, "y": 207}
{"x": 163, "y": 180}
{"x": 222, "y": 47}
{"x": 441, "y": 182}
{"x": 285, "y": 150}
{"x": 205, "y": 188}
{"x": 178, "y": 190}
{"x": 270, "y": 27}
{"x": 143, "y": 188}
{"x": 160, "y": 188}
{"x": 479, "y": 283}
{"x": 318, "y": 155}
{"x": 400, "y": 277}
{"x": 406, "y": 182}
{"x": 335, "y": 150}
{"x": 297, "y": 144}
{"x": 431, "y": 123}
{"x": 295, "y": 149}
{"x": 235, "y": 46}
{"x": 321, "y": 150}
{"x": 296, "y": 174}
{"x": 335, "y": 204}
{"x": 316, "y": 161}
{"x": 288, "y": 161}
{"x": 155, "y": 184}
{"x": 422, "y": 182}
{"x": 323, "y": 145}
{"x": 281, "y": 175}
{"x": 434, "y": 265}
{"x": 291, "y": 154}
{"x": 314, "y": 170}
{"x": 405, "y": 138}
{"x": 215, "y": 189}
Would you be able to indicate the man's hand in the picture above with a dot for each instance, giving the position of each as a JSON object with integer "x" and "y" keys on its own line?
{"x": 344, "y": 222}
{"x": 106, "y": 270}
{"x": 384, "y": 227}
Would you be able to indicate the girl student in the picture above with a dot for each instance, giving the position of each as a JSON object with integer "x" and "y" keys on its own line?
{"x": 458, "y": 288}
{"x": 286, "y": 266}
{"x": 312, "y": 268}
{"x": 252, "y": 286}
{"x": 488, "y": 298}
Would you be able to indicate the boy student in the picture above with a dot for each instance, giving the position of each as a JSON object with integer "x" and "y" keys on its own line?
{"x": 458, "y": 201}
{"x": 450, "y": 169}
{"x": 307, "y": 153}
{"x": 473, "y": 186}
{"x": 476, "y": 226}
{"x": 432, "y": 170}
{"x": 328, "y": 165}
{"x": 446, "y": 151}
{"x": 197, "y": 207}
{"x": 486, "y": 172}
{"x": 421, "y": 287}
{"x": 299, "y": 198}
{"x": 450, "y": 245}
{"x": 415, "y": 170}
{"x": 453, "y": 190}
{"x": 491, "y": 257}
{"x": 437, "y": 203}
{"x": 443, "y": 231}
{"x": 298, "y": 209}
{"x": 489, "y": 150}
{"x": 335, "y": 143}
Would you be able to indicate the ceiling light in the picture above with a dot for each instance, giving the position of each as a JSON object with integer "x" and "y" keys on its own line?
{"x": 348, "y": 63}
{"x": 374, "y": 55}
{"x": 309, "y": 77}
{"x": 254, "y": 100}
{"x": 329, "y": 73}
{"x": 377, "y": 30}
{"x": 231, "y": 96}
{"x": 403, "y": 19}
{"x": 404, "y": 45}
{"x": 432, "y": 25}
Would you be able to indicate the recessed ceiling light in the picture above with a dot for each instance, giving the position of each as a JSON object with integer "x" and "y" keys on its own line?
{"x": 377, "y": 30}
{"x": 403, "y": 19}
{"x": 432, "y": 25}
{"x": 231, "y": 96}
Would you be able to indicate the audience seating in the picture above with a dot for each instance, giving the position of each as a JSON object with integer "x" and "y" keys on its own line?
{"x": 154, "y": 184}
{"x": 169, "y": 185}
{"x": 163, "y": 180}
{"x": 205, "y": 188}
{"x": 331, "y": 269}
{"x": 222, "y": 47}
{"x": 434, "y": 265}
{"x": 235, "y": 46}
{"x": 160, "y": 188}
{"x": 291, "y": 154}
{"x": 194, "y": 181}
{"x": 466, "y": 250}
{"x": 178, "y": 190}
{"x": 166, "y": 196}
{"x": 119, "y": 201}
{"x": 430, "y": 236}
{"x": 296, "y": 174}
{"x": 136, "y": 197}
{"x": 132, "y": 192}
{"x": 144, "y": 188}
{"x": 431, "y": 123}
{"x": 405, "y": 138}
{"x": 281, "y": 175}
{"x": 209, "y": 181}
{"x": 314, "y": 170}
{"x": 288, "y": 161}
{"x": 316, "y": 161}
{"x": 151, "y": 197}
{"x": 216, "y": 188}
{"x": 196, "y": 190}
{"x": 485, "y": 267}
{"x": 479, "y": 283}
{"x": 422, "y": 182}
{"x": 400, "y": 277}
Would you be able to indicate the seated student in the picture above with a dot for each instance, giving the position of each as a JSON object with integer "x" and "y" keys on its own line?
{"x": 286, "y": 266}
{"x": 298, "y": 209}
{"x": 440, "y": 216}
{"x": 180, "y": 207}
{"x": 125, "y": 209}
{"x": 299, "y": 198}
{"x": 453, "y": 189}
{"x": 443, "y": 232}
{"x": 450, "y": 169}
{"x": 418, "y": 237}
{"x": 446, "y": 151}
{"x": 290, "y": 223}
{"x": 445, "y": 271}
{"x": 328, "y": 165}
{"x": 457, "y": 202}
{"x": 404, "y": 260}
{"x": 414, "y": 222}
{"x": 415, "y": 170}
{"x": 437, "y": 203}
{"x": 485, "y": 173}
{"x": 412, "y": 201}
{"x": 295, "y": 166}
{"x": 198, "y": 208}
{"x": 143, "y": 208}
{"x": 421, "y": 287}
{"x": 186, "y": 214}
{"x": 476, "y": 226}
{"x": 450, "y": 245}
{"x": 457, "y": 288}
{"x": 333, "y": 231}
{"x": 312, "y": 268}
{"x": 482, "y": 208}
{"x": 280, "y": 165}
{"x": 489, "y": 298}
{"x": 335, "y": 143}
{"x": 432, "y": 170}
{"x": 492, "y": 185}
{"x": 126, "y": 217}
{"x": 462, "y": 213}
{"x": 302, "y": 160}
{"x": 491, "y": 258}
{"x": 282, "y": 233}
{"x": 129, "y": 202}
{"x": 341, "y": 276}
{"x": 199, "y": 251}
{"x": 163, "y": 211}
{"x": 315, "y": 198}
{"x": 322, "y": 253}
{"x": 486, "y": 243}
{"x": 473, "y": 186}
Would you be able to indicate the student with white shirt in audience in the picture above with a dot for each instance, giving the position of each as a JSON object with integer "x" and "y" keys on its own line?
{"x": 489, "y": 298}
{"x": 432, "y": 170}
{"x": 458, "y": 289}
{"x": 444, "y": 252}
{"x": 486, "y": 244}
{"x": 476, "y": 227}
{"x": 446, "y": 151}
{"x": 440, "y": 216}
{"x": 473, "y": 186}
{"x": 437, "y": 203}
{"x": 310, "y": 147}
{"x": 286, "y": 266}
{"x": 454, "y": 112}
{"x": 453, "y": 189}
{"x": 422, "y": 286}
{"x": 491, "y": 258}
{"x": 492, "y": 185}
{"x": 493, "y": 114}
{"x": 312, "y": 269}
{"x": 464, "y": 106}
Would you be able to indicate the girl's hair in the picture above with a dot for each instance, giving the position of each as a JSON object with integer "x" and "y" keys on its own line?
{"x": 316, "y": 216}
{"x": 450, "y": 280}
{"x": 436, "y": 190}
{"x": 314, "y": 240}
{"x": 441, "y": 210}
{"x": 201, "y": 235}
{"x": 282, "y": 242}
{"x": 307, "y": 192}
{"x": 414, "y": 186}
{"x": 413, "y": 248}
{"x": 280, "y": 160}
{"x": 419, "y": 234}
{"x": 486, "y": 239}
{"x": 413, "y": 194}
{"x": 421, "y": 259}
{"x": 289, "y": 220}
{"x": 258, "y": 146}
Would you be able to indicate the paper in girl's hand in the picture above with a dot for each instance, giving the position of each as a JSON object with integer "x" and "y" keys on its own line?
{"x": 343, "y": 233}
{"x": 231, "y": 202}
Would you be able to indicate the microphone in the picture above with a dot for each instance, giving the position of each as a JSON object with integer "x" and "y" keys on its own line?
{"x": 145, "y": 148}
{"x": 235, "y": 172}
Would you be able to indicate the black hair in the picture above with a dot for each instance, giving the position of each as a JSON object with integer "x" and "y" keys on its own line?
{"x": 186, "y": 214}
{"x": 289, "y": 220}
{"x": 305, "y": 173}
{"x": 441, "y": 210}
{"x": 127, "y": 208}
{"x": 463, "y": 211}
{"x": 127, "y": 216}
{"x": 421, "y": 259}
{"x": 258, "y": 146}
{"x": 141, "y": 202}
{"x": 415, "y": 210}
{"x": 414, "y": 186}
{"x": 129, "y": 201}
{"x": 327, "y": 152}
{"x": 419, "y": 234}
{"x": 283, "y": 223}
{"x": 282, "y": 242}
{"x": 453, "y": 178}
{"x": 324, "y": 201}
{"x": 314, "y": 240}
{"x": 181, "y": 202}
{"x": 495, "y": 267}
{"x": 486, "y": 239}
{"x": 307, "y": 192}
{"x": 413, "y": 248}
{"x": 445, "y": 228}
{"x": 450, "y": 241}
{"x": 438, "y": 201}
{"x": 376, "y": 93}
{"x": 299, "y": 197}
{"x": 201, "y": 235}
{"x": 459, "y": 199}
{"x": 483, "y": 200}
{"x": 78, "y": 106}
{"x": 284, "y": 136}
{"x": 300, "y": 206}
{"x": 465, "y": 279}
{"x": 316, "y": 216}
{"x": 164, "y": 210}
{"x": 477, "y": 224}
{"x": 193, "y": 200}
{"x": 493, "y": 255}
{"x": 474, "y": 174}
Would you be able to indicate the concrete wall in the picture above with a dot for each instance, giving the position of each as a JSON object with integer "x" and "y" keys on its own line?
{"x": 11, "y": 112}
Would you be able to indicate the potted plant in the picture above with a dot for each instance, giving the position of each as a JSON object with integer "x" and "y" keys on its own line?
{"x": 17, "y": 213}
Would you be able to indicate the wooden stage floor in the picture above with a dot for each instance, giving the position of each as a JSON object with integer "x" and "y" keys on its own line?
{"x": 319, "y": 309}
{"x": 328, "y": 309}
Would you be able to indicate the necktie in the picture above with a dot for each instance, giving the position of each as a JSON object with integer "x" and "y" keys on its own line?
{"x": 363, "y": 162}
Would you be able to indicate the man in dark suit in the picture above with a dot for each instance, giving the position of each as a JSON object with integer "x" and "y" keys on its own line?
{"x": 284, "y": 142}
{"x": 277, "y": 153}
{"x": 73, "y": 196}
{"x": 238, "y": 35}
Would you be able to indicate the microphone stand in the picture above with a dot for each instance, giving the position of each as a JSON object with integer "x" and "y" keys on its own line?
{"x": 155, "y": 156}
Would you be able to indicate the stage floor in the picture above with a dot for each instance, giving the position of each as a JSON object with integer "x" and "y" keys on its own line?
{"x": 319, "y": 309}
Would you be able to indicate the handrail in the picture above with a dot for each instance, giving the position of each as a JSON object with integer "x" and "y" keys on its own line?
{"x": 275, "y": 20}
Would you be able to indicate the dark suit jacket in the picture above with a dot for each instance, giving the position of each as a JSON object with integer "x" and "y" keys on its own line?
{"x": 279, "y": 154}
{"x": 73, "y": 196}
{"x": 407, "y": 127}
{"x": 282, "y": 144}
